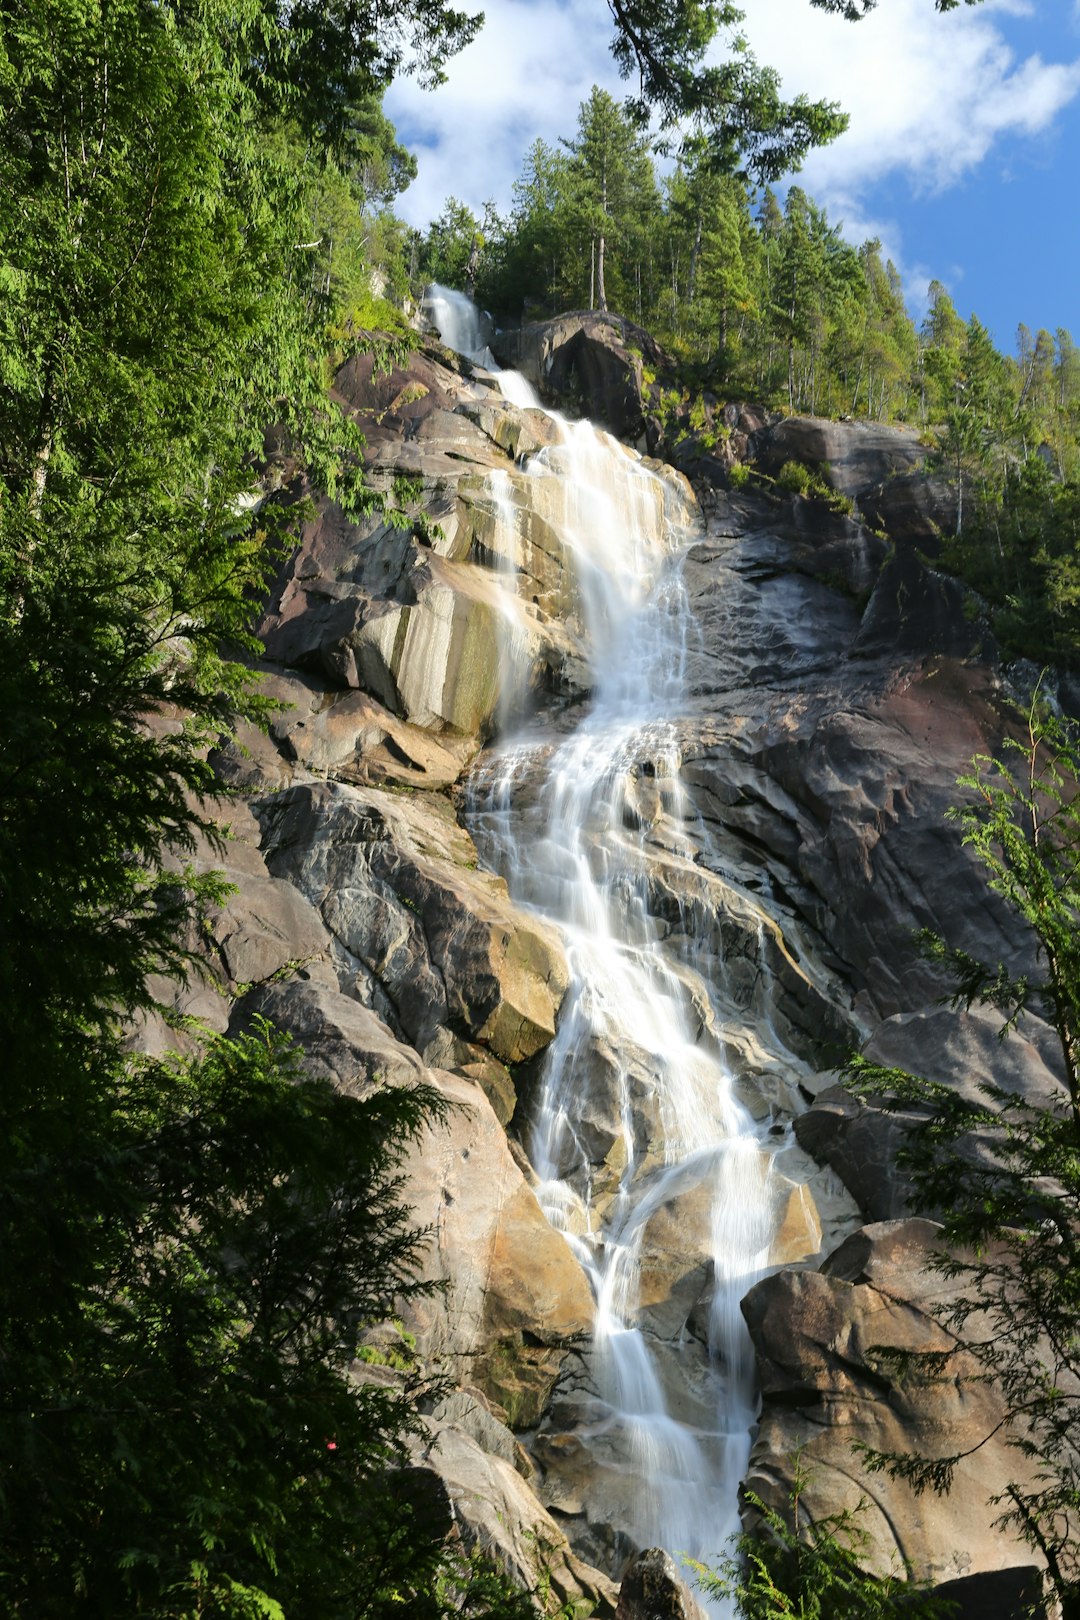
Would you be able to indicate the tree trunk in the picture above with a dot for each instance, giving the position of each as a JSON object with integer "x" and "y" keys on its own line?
{"x": 592, "y": 273}
{"x": 601, "y": 290}
{"x": 694, "y": 256}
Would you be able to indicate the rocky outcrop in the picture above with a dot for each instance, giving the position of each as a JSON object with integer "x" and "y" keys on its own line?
{"x": 404, "y": 608}
{"x": 652, "y": 1589}
{"x": 794, "y": 835}
{"x": 827, "y": 1388}
{"x": 852, "y": 457}
{"x": 414, "y": 922}
{"x": 464, "y": 1456}
{"x": 591, "y": 364}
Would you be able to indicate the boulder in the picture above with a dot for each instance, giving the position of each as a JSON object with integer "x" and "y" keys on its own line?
{"x": 653, "y": 1589}
{"x": 914, "y": 609}
{"x": 852, "y": 457}
{"x": 914, "y": 509}
{"x": 589, "y": 363}
{"x": 349, "y": 735}
{"x": 496, "y": 1511}
{"x": 825, "y": 1389}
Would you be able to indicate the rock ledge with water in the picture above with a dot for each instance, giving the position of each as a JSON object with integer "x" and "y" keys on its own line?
{"x": 715, "y": 867}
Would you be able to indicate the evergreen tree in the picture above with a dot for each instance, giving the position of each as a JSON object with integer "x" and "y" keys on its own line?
{"x": 192, "y": 1251}
{"x": 615, "y": 186}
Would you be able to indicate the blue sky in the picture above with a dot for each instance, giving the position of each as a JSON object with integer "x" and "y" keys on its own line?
{"x": 963, "y": 153}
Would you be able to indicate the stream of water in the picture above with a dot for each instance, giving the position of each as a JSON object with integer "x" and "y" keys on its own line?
{"x": 635, "y": 1114}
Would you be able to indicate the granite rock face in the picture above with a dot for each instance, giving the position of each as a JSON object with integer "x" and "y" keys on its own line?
{"x": 590, "y": 363}
{"x": 838, "y": 686}
{"x": 827, "y": 1388}
{"x": 406, "y": 609}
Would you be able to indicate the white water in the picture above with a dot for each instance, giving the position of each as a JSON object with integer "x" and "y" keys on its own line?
{"x": 562, "y": 819}
{"x": 462, "y": 327}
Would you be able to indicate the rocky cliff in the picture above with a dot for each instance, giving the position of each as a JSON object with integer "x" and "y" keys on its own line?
{"x": 835, "y": 688}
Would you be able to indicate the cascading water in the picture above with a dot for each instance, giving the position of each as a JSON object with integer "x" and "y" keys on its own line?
{"x": 636, "y": 1112}
{"x": 459, "y": 323}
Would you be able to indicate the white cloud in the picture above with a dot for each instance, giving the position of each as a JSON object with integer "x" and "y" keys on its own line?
{"x": 929, "y": 96}
{"x": 524, "y": 76}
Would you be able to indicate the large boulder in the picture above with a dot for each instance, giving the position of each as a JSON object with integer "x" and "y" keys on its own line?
{"x": 496, "y": 1511}
{"x": 653, "y": 1589}
{"x": 852, "y": 457}
{"x": 826, "y": 1390}
{"x": 589, "y": 363}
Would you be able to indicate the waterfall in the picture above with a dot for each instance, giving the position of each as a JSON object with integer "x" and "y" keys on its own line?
{"x": 635, "y": 1113}
{"x": 459, "y": 323}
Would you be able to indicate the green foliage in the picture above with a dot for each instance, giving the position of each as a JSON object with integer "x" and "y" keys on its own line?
{"x": 1011, "y": 1211}
{"x": 452, "y": 246}
{"x": 184, "y": 1286}
{"x": 795, "y": 478}
{"x": 794, "y": 1568}
{"x": 192, "y": 1249}
{"x": 734, "y": 105}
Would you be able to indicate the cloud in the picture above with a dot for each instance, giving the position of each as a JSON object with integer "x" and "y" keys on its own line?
{"x": 929, "y": 96}
{"x": 532, "y": 65}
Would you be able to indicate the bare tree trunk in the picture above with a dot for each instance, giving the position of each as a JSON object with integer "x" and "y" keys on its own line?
{"x": 592, "y": 273}
{"x": 601, "y": 290}
{"x": 691, "y": 288}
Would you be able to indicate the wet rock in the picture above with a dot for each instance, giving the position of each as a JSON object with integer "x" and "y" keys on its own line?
{"x": 679, "y": 1237}
{"x": 422, "y": 618}
{"x": 653, "y": 1589}
{"x": 394, "y": 879}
